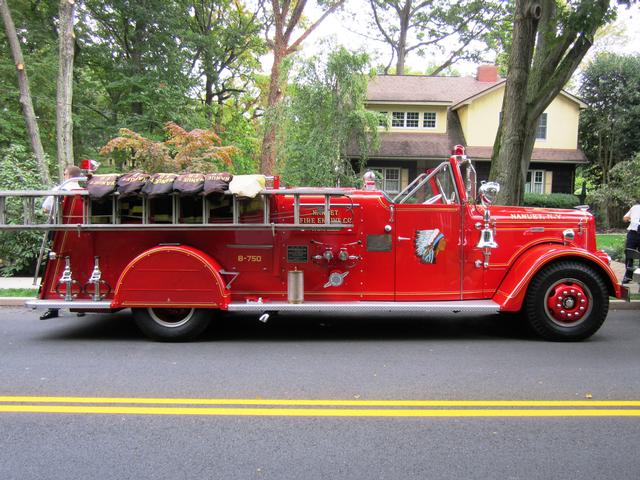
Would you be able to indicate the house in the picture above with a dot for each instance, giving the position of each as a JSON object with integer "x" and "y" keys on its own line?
{"x": 427, "y": 116}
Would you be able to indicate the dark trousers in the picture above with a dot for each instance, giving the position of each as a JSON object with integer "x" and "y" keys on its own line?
{"x": 633, "y": 243}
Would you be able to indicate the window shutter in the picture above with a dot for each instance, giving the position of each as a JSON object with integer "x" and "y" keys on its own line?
{"x": 548, "y": 181}
{"x": 404, "y": 178}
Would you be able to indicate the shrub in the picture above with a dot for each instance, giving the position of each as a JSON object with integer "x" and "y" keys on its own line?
{"x": 553, "y": 200}
{"x": 18, "y": 171}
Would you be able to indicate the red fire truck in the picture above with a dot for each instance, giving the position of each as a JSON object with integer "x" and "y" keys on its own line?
{"x": 438, "y": 246}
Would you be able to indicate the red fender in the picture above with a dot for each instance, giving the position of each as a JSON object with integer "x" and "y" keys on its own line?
{"x": 511, "y": 292}
{"x": 172, "y": 276}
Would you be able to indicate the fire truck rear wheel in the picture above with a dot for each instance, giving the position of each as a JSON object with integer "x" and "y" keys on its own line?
{"x": 567, "y": 301}
{"x": 172, "y": 324}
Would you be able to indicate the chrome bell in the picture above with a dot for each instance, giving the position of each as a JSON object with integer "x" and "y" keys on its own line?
{"x": 487, "y": 239}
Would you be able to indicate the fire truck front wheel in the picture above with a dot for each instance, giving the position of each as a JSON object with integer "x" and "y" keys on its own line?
{"x": 172, "y": 324}
{"x": 567, "y": 301}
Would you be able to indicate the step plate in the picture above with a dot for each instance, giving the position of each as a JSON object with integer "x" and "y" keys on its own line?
{"x": 474, "y": 306}
{"x": 80, "y": 304}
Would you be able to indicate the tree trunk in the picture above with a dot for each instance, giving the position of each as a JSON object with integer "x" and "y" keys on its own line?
{"x": 64, "y": 118}
{"x": 268, "y": 154}
{"x": 533, "y": 82}
{"x": 25, "y": 94}
{"x": 508, "y": 150}
{"x": 208, "y": 96}
{"x": 405, "y": 17}
{"x": 219, "y": 115}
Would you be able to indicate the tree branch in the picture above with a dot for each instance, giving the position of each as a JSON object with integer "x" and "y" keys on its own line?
{"x": 384, "y": 33}
{"x": 294, "y": 46}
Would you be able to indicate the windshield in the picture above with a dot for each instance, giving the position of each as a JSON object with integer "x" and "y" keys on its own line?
{"x": 433, "y": 187}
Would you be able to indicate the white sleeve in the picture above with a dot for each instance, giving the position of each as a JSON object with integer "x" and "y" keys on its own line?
{"x": 47, "y": 204}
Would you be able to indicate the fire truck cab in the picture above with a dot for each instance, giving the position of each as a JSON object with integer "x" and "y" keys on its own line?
{"x": 438, "y": 246}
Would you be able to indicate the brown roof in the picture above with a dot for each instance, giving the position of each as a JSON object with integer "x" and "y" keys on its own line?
{"x": 539, "y": 154}
{"x": 415, "y": 88}
{"x": 416, "y": 144}
{"x": 410, "y": 145}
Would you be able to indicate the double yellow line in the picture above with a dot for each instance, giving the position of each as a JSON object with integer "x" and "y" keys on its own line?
{"x": 320, "y": 408}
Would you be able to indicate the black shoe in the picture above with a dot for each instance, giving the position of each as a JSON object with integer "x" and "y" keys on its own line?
{"x": 626, "y": 280}
{"x": 51, "y": 313}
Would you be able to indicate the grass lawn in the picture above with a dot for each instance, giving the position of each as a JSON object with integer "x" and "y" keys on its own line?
{"x": 18, "y": 292}
{"x": 613, "y": 244}
{"x": 610, "y": 240}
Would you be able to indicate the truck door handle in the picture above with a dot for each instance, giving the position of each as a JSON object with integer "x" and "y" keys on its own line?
{"x": 404, "y": 238}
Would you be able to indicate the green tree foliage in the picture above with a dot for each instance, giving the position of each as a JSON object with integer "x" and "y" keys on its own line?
{"x": 135, "y": 54}
{"x": 138, "y": 65}
{"x": 610, "y": 127}
{"x": 325, "y": 113}
{"x": 19, "y": 249}
{"x": 622, "y": 191}
{"x": 225, "y": 43}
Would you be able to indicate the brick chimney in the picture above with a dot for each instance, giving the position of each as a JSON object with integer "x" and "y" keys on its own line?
{"x": 487, "y": 73}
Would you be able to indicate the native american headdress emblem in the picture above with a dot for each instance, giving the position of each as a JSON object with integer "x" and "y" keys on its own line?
{"x": 428, "y": 244}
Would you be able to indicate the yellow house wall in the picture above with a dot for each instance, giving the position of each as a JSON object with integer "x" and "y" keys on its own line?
{"x": 562, "y": 124}
{"x": 482, "y": 117}
{"x": 480, "y": 121}
{"x": 463, "y": 116}
{"x": 441, "y": 116}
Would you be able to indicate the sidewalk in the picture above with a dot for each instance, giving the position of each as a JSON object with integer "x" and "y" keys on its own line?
{"x": 18, "y": 282}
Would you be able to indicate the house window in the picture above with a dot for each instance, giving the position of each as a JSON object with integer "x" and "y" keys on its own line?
{"x": 429, "y": 120}
{"x": 535, "y": 181}
{"x": 383, "y": 119}
{"x": 390, "y": 179}
{"x": 413, "y": 119}
{"x": 397, "y": 119}
{"x": 405, "y": 119}
{"x": 541, "y": 130}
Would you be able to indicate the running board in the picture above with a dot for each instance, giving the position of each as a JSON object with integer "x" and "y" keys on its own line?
{"x": 80, "y": 304}
{"x": 456, "y": 306}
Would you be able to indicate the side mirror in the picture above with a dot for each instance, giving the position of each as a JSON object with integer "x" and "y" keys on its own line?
{"x": 489, "y": 193}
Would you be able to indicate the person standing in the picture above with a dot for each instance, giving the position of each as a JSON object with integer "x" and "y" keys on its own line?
{"x": 70, "y": 182}
{"x": 633, "y": 239}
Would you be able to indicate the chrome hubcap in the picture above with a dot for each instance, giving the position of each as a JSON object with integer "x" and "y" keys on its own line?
{"x": 171, "y": 317}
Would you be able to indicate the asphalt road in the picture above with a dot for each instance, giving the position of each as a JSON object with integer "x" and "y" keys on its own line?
{"x": 341, "y": 363}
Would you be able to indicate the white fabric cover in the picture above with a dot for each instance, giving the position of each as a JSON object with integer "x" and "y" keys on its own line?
{"x": 247, "y": 185}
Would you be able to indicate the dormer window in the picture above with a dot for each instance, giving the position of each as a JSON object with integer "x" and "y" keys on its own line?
{"x": 429, "y": 120}
{"x": 413, "y": 119}
{"x": 397, "y": 119}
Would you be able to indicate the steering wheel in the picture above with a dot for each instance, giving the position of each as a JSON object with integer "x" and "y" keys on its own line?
{"x": 433, "y": 199}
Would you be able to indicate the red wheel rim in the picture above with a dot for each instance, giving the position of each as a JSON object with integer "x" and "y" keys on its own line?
{"x": 568, "y": 302}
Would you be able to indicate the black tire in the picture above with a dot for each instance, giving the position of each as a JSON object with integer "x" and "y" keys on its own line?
{"x": 567, "y": 301}
{"x": 172, "y": 324}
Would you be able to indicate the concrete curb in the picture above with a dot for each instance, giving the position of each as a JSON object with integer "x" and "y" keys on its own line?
{"x": 622, "y": 305}
{"x": 613, "y": 304}
{"x": 14, "y": 301}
